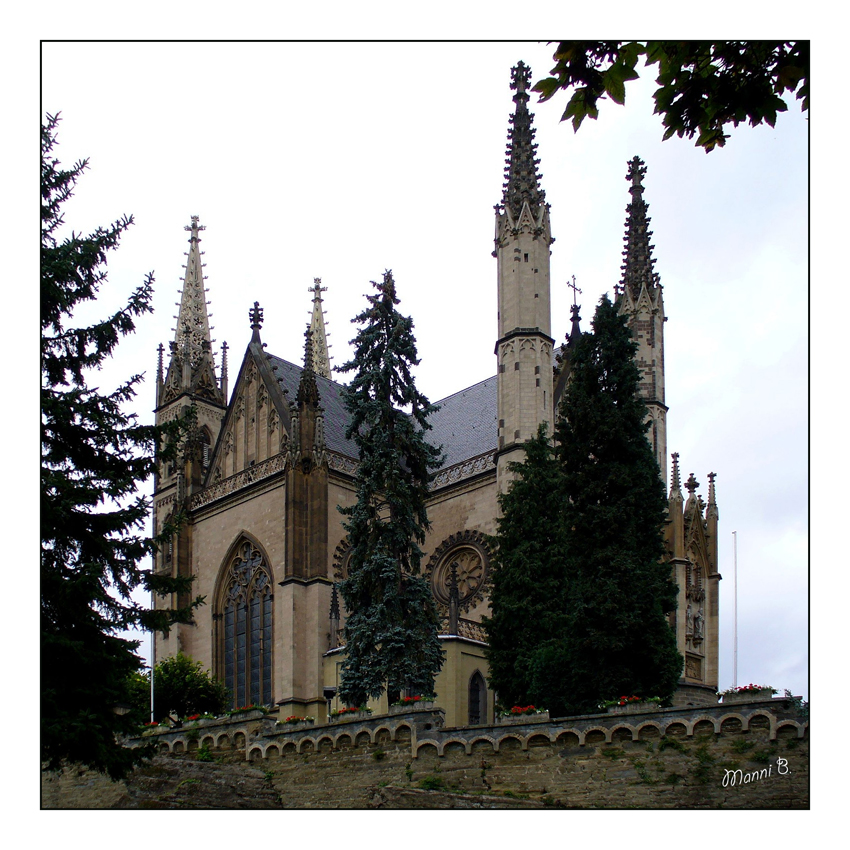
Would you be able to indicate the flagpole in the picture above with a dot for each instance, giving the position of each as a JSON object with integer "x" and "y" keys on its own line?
{"x": 735, "y": 607}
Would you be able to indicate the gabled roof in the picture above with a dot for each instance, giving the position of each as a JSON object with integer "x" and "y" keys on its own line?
{"x": 465, "y": 425}
{"x": 330, "y": 399}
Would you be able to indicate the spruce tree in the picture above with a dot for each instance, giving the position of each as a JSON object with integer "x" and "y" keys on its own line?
{"x": 525, "y": 629}
{"x": 617, "y": 640}
{"x": 94, "y": 456}
{"x": 391, "y": 626}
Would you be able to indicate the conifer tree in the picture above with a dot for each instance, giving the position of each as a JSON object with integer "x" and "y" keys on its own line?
{"x": 617, "y": 640}
{"x": 391, "y": 627}
{"x": 527, "y": 602}
{"x": 94, "y": 455}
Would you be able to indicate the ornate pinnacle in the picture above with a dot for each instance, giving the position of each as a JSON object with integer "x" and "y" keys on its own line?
{"x": 193, "y": 325}
{"x": 638, "y": 263}
{"x": 308, "y": 392}
{"x": 522, "y": 182}
{"x": 675, "y": 485}
{"x": 194, "y": 227}
{"x": 692, "y": 484}
{"x": 520, "y": 78}
{"x": 255, "y": 314}
{"x": 321, "y": 358}
{"x": 334, "y": 603}
{"x": 711, "y": 496}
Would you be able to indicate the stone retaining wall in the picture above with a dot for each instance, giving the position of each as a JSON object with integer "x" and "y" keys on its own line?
{"x": 751, "y": 755}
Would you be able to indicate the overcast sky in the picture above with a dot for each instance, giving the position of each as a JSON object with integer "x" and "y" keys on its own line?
{"x": 339, "y": 161}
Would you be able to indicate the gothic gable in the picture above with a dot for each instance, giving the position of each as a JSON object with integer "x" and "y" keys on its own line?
{"x": 256, "y": 426}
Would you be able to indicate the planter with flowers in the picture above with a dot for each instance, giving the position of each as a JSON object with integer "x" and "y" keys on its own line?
{"x": 293, "y": 723}
{"x": 361, "y": 712}
{"x": 747, "y": 693}
{"x": 406, "y": 704}
{"x": 522, "y": 714}
{"x": 248, "y": 712}
{"x": 631, "y": 704}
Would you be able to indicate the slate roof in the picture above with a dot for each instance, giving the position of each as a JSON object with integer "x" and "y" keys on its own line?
{"x": 330, "y": 398}
{"x": 465, "y": 425}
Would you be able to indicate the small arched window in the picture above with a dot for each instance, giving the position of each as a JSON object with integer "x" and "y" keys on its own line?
{"x": 246, "y": 619}
{"x": 477, "y": 699}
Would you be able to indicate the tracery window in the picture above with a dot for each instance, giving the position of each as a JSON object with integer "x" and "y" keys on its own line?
{"x": 246, "y": 627}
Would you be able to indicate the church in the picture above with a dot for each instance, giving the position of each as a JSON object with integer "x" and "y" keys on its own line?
{"x": 260, "y": 480}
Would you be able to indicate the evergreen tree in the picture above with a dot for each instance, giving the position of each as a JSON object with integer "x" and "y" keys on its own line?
{"x": 617, "y": 640}
{"x": 94, "y": 456}
{"x": 526, "y": 628}
{"x": 391, "y": 627}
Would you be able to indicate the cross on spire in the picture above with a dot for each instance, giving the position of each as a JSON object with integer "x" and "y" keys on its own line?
{"x": 574, "y": 288}
{"x": 255, "y": 314}
{"x": 194, "y": 227}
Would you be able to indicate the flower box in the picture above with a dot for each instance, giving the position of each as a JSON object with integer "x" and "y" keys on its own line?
{"x": 515, "y": 719}
{"x": 748, "y": 696}
{"x": 250, "y": 714}
{"x": 304, "y": 723}
{"x": 633, "y": 707}
{"x": 419, "y": 705}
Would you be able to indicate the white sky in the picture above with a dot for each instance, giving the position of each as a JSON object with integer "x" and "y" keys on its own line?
{"x": 341, "y": 160}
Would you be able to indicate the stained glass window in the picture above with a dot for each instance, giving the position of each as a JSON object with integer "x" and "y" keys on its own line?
{"x": 246, "y": 623}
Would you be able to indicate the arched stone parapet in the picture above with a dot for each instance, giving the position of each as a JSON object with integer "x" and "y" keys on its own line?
{"x": 584, "y": 734}
{"x": 456, "y": 743}
{"x": 648, "y": 724}
{"x": 716, "y": 723}
{"x": 799, "y": 728}
{"x": 208, "y": 741}
{"x": 626, "y": 727}
{"x": 502, "y": 739}
{"x": 771, "y": 720}
{"x": 482, "y": 739}
{"x": 529, "y": 739}
{"x": 420, "y": 747}
{"x": 322, "y": 739}
{"x": 255, "y": 754}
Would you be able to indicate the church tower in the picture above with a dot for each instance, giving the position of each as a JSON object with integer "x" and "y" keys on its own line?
{"x": 190, "y": 382}
{"x": 523, "y": 237}
{"x": 640, "y": 298}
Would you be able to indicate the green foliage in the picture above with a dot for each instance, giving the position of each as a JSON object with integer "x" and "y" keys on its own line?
{"x": 528, "y": 584}
{"x": 616, "y": 638}
{"x": 94, "y": 455}
{"x": 703, "y": 86}
{"x": 391, "y": 626}
{"x": 183, "y": 687}
{"x": 433, "y": 783}
{"x": 741, "y": 746}
{"x": 204, "y": 753}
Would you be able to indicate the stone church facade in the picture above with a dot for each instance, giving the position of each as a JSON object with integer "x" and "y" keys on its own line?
{"x": 261, "y": 478}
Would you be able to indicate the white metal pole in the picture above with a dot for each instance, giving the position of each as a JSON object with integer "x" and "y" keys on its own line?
{"x": 153, "y": 652}
{"x": 735, "y": 608}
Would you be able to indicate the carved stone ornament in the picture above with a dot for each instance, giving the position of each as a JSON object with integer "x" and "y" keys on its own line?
{"x": 341, "y": 556}
{"x": 469, "y": 553}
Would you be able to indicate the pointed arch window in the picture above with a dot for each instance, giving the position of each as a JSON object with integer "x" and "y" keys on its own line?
{"x": 477, "y": 699}
{"x": 246, "y": 624}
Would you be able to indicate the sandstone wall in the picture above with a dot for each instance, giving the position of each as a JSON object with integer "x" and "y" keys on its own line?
{"x": 743, "y": 756}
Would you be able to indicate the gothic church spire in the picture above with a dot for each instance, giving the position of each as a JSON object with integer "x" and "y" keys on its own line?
{"x": 522, "y": 182}
{"x": 192, "y": 368}
{"x": 192, "y": 333}
{"x": 321, "y": 357}
{"x": 638, "y": 263}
